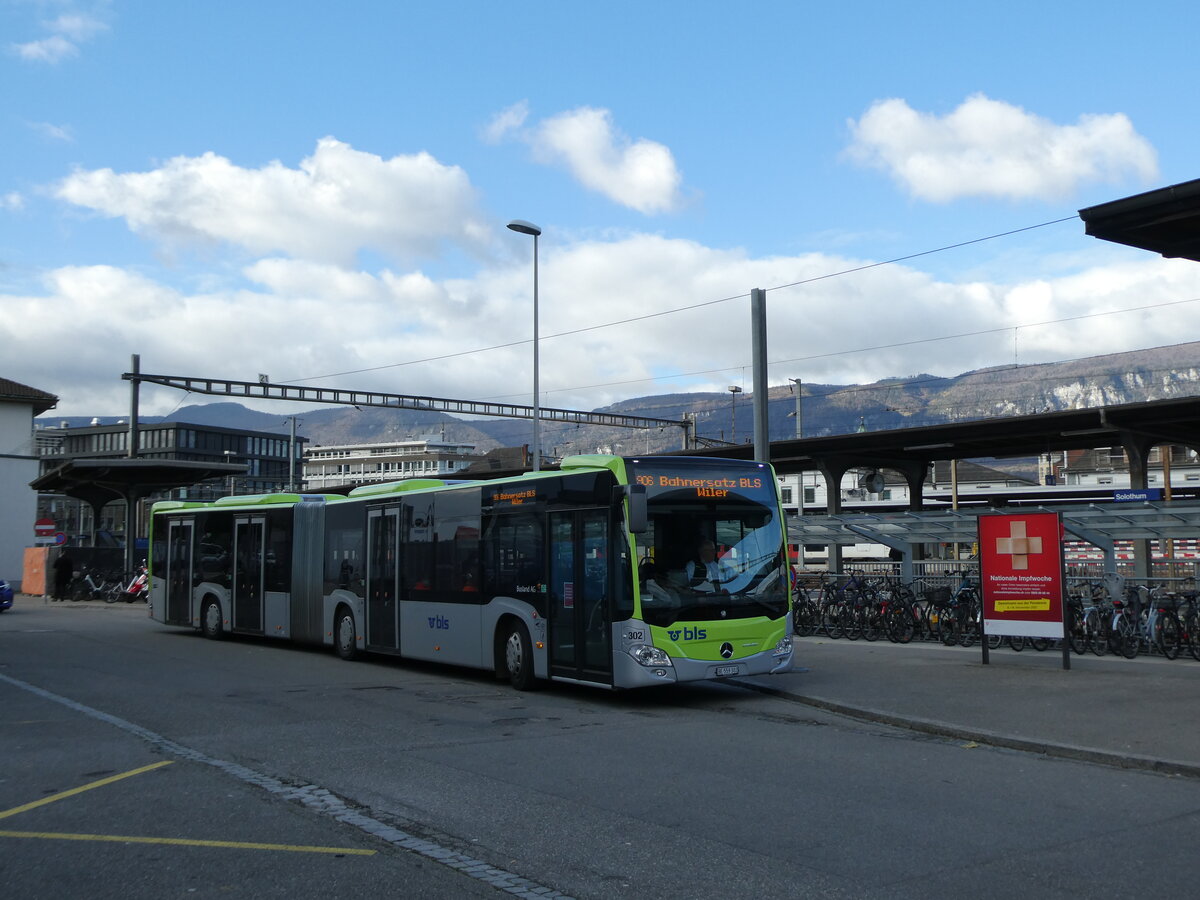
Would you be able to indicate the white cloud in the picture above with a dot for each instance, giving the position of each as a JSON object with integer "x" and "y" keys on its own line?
{"x": 988, "y": 148}
{"x": 53, "y": 132}
{"x": 506, "y": 122}
{"x": 337, "y": 202}
{"x": 12, "y": 201}
{"x": 53, "y": 49}
{"x": 77, "y": 26}
{"x": 640, "y": 174}
{"x": 67, "y": 32}
{"x": 299, "y": 319}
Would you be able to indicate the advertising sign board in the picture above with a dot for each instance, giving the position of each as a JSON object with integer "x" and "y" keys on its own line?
{"x": 1021, "y": 574}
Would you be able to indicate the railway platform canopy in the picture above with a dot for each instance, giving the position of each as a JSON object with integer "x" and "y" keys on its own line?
{"x": 1136, "y": 427}
{"x": 1100, "y": 524}
{"x": 101, "y": 481}
{"x": 1166, "y": 220}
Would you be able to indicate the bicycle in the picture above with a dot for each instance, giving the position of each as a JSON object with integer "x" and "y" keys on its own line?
{"x": 959, "y": 624}
{"x": 101, "y": 587}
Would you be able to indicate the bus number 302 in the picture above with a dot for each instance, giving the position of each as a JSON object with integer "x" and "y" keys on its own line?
{"x": 635, "y": 635}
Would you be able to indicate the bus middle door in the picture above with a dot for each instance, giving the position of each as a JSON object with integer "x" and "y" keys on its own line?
{"x": 249, "y": 551}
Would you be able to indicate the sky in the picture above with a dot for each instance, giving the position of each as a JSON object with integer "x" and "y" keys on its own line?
{"x": 319, "y": 192}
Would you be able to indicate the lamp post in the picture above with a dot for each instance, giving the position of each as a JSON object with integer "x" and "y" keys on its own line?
{"x": 734, "y": 390}
{"x": 524, "y": 227}
{"x": 229, "y": 455}
{"x": 798, "y": 414}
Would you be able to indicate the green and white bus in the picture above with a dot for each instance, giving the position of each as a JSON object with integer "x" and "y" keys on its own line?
{"x": 588, "y": 574}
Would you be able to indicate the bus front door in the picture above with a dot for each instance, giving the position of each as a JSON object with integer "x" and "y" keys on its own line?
{"x": 249, "y": 549}
{"x": 179, "y": 574}
{"x": 580, "y": 613}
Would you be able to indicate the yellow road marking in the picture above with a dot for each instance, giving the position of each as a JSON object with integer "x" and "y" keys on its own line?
{"x": 183, "y": 842}
{"x": 125, "y": 839}
{"x": 79, "y": 790}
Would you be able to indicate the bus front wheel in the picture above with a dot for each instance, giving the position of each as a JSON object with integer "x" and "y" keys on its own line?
{"x": 518, "y": 658}
{"x": 345, "y": 639}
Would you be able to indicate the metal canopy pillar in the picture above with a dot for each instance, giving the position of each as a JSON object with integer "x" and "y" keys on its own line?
{"x": 1137, "y": 451}
{"x": 833, "y": 470}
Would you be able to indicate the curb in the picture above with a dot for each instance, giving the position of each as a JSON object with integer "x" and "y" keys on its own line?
{"x": 989, "y": 738}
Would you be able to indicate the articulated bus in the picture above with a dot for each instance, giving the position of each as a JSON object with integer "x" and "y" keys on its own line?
{"x": 586, "y": 574}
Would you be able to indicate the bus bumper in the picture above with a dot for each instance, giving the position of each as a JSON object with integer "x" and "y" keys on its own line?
{"x": 630, "y": 674}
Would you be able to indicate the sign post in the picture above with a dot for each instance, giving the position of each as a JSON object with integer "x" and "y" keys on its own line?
{"x": 1022, "y": 578}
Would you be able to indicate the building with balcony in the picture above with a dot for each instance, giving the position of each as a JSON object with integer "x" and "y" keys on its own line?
{"x": 328, "y": 468}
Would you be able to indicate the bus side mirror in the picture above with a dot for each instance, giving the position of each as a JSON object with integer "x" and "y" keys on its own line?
{"x": 638, "y": 517}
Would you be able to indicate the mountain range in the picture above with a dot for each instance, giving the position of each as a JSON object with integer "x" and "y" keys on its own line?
{"x": 824, "y": 409}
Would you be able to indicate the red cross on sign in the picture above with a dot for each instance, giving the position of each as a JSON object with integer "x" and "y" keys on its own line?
{"x": 1019, "y": 545}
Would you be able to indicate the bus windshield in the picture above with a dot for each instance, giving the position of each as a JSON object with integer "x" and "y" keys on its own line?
{"x": 714, "y": 546}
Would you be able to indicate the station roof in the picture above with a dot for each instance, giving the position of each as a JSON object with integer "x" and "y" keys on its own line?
{"x": 1157, "y": 421}
{"x": 100, "y": 481}
{"x": 1166, "y": 220}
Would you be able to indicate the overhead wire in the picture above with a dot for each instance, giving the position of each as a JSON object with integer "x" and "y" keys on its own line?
{"x": 678, "y": 309}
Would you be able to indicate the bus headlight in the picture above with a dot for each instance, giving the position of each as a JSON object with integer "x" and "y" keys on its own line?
{"x": 784, "y": 647}
{"x": 649, "y": 656}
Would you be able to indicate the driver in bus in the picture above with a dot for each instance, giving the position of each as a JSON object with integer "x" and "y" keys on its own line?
{"x": 706, "y": 573}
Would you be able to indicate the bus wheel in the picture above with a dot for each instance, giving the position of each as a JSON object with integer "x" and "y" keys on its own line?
{"x": 344, "y": 636}
{"x": 210, "y": 619}
{"x": 518, "y": 658}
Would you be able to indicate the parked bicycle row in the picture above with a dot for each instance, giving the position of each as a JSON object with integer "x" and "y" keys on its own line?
{"x": 109, "y": 586}
{"x": 1103, "y": 617}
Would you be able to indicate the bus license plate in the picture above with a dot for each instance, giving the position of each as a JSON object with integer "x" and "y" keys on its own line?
{"x": 725, "y": 670}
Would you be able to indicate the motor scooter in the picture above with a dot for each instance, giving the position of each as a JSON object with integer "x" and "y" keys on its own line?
{"x": 138, "y": 588}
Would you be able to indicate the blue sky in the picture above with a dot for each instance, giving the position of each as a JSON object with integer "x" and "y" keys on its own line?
{"x": 302, "y": 189}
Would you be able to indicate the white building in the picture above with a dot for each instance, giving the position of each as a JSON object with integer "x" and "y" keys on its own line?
{"x": 18, "y": 466}
{"x": 328, "y": 467}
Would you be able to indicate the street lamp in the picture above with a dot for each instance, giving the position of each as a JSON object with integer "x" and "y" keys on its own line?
{"x": 734, "y": 390}
{"x": 798, "y": 414}
{"x": 229, "y": 455}
{"x": 524, "y": 227}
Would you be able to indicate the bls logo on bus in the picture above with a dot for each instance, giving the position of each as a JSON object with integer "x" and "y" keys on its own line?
{"x": 689, "y": 634}
{"x": 439, "y": 622}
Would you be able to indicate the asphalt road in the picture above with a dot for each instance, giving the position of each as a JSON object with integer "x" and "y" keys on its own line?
{"x": 254, "y": 769}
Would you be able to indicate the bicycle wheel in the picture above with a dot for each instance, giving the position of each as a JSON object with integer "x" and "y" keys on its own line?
{"x": 848, "y": 621}
{"x": 949, "y": 627}
{"x": 901, "y": 624}
{"x": 831, "y": 620}
{"x": 872, "y": 623}
{"x": 1192, "y": 627}
{"x": 970, "y": 630}
{"x": 1168, "y": 634}
{"x": 1076, "y": 633}
{"x": 1129, "y": 641}
{"x": 1096, "y": 626}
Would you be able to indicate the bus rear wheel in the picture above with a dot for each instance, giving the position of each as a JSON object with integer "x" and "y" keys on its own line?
{"x": 210, "y": 619}
{"x": 345, "y": 639}
{"x": 518, "y": 658}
